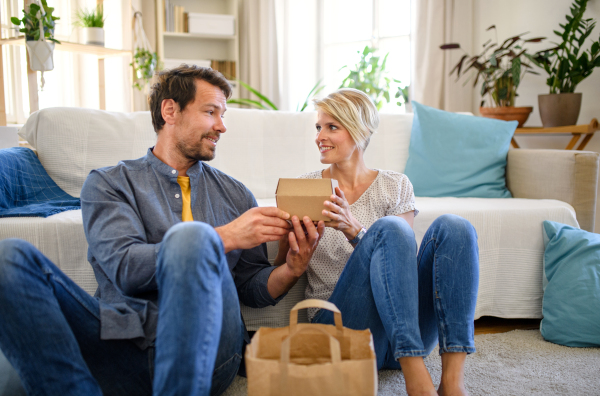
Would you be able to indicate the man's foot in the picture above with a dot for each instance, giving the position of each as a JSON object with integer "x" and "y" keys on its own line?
{"x": 417, "y": 378}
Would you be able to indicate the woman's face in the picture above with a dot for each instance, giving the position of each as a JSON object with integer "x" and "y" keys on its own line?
{"x": 333, "y": 140}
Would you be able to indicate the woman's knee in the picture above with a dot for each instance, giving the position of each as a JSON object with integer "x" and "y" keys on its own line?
{"x": 395, "y": 225}
{"x": 456, "y": 226}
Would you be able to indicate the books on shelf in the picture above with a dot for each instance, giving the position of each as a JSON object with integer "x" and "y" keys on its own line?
{"x": 227, "y": 68}
{"x": 176, "y": 19}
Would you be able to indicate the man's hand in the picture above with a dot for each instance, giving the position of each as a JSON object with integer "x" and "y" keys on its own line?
{"x": 255, "y": 226}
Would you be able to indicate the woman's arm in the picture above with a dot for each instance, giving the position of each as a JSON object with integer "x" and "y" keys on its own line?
{"x": 409, "y": 217}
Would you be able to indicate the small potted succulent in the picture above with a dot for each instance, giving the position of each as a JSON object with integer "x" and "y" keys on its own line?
{"x": 567, "y": 65}
{"x": 501, "y": 68}
{"x": 91, "y": 23}
{"x": 40, "y": 47}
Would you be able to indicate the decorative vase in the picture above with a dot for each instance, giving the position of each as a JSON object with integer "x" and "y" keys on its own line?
{"x": 559, "y": 109}
{"x": 40, "y": 55}
{"x": 92, "y": 35}
{"x": 507, "y": 113}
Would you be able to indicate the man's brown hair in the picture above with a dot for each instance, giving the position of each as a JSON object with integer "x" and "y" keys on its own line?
{"x": 179, "y": 84}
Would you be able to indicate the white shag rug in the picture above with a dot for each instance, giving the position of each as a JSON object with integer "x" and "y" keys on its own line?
{"x": 519, "y": 362}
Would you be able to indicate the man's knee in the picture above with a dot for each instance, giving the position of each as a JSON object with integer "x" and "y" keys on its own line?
{"x": 187, "y": 243}
{"x": 14, "y": 256}
{"x": 455, "y": 226}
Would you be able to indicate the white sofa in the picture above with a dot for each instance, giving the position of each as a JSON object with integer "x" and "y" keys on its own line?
{"x": 262, "y": 146}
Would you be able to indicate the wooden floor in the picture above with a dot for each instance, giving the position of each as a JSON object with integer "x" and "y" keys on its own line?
{"x": 490, "y": 325}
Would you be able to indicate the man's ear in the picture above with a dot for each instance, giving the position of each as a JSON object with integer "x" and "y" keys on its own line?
{"x": 168, "y": 110}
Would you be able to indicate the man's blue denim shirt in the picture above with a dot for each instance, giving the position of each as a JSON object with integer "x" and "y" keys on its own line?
{"x": 128, "y": 208}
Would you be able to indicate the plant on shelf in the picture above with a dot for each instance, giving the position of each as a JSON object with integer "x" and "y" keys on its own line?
{"x": 36, "y": 19}
{"x": 369, "y": 75}
{"x": 91, "y": 23}
{"x": 31, "y": 22}
{"x": 567, "y": 65}
{"x": 85, "y": 18}
{"x": 144, "y": 64}
{"x": 501, "y": 68}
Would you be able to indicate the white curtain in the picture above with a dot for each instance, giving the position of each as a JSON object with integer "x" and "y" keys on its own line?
{"x": 258, "y": 49}
{"x": 438, "y": 22}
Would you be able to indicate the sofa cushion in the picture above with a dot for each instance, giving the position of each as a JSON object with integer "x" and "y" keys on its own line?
{"x": 70, "y": 142}
{"x": 571, "y": 305}
{"x": 454, "y": 155}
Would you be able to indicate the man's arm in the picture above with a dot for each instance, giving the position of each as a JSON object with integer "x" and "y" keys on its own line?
{"x": 116, "y": 236}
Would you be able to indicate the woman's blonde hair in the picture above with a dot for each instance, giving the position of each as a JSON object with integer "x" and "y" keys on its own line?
{"x": 354, "y": 110}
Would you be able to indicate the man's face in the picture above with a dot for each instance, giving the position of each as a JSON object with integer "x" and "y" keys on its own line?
{"x": 200, "y": 124}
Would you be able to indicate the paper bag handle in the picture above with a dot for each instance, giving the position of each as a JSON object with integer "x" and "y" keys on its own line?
{"x": 315, "y": 303}
{"x": 334, "y": 345}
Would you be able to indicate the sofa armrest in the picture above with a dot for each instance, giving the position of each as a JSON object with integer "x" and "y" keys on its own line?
{"x": 566, "y": 175}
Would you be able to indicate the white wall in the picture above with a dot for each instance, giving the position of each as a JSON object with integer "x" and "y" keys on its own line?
{"x": 540, "y": 17}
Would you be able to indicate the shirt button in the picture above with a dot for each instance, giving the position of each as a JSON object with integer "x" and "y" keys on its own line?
{"x": 173, "y": 171}
{"x": 176, "y": 195}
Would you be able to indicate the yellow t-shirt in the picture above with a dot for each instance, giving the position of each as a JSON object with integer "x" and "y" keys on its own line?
{"x": 186, "y": 212}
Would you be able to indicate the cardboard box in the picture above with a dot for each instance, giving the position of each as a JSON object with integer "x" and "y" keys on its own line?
{"x": 305, "y": 197}
{"x": 211, "y": 24}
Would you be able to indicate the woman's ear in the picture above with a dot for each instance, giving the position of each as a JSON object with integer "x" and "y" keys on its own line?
{"x": 168, "y": 110}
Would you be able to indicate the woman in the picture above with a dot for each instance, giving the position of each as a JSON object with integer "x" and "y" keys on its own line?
{"x": 367, "y": 262}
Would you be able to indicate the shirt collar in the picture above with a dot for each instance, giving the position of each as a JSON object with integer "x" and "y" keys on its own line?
{"x": 169, "y": 171}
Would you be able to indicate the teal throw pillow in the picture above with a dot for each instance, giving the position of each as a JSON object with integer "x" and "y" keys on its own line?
{"x": 571, "y": 304}
{"x": 458, "y": 155}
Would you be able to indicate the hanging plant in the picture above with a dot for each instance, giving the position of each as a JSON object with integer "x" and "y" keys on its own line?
{"x": 31, "y": 22}
{"x": 145, "y": 61}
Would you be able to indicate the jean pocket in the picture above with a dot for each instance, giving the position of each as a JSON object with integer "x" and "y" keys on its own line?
{"x": 224, "y": 375}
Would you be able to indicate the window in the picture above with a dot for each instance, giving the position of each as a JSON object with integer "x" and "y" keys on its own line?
{"x": 317, "y": 45}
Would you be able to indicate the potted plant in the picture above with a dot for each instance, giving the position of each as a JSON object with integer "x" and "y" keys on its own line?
{"x": 501, "y": 69}
{"x": 145, "y": 63}
{"x": 91, "y": 23}
{"x": 369, "y": 76}
{"x": 567, "y": 65}
{"x": 40, "y": 47}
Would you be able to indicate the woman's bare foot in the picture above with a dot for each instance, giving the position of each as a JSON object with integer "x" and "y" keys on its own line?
{"x": 453, "y": 374}
{"x": 417, "y": 378}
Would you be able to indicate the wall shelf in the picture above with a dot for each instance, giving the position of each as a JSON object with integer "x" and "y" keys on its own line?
{"x": 196, "y": 35}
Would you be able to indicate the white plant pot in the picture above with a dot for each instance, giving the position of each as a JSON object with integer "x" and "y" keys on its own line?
{"x": 92, "y": 35}
{"x": 40, "y": 55}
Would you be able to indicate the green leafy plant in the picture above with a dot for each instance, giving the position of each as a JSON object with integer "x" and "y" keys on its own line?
{"x": 566, "y": 64}
{"x": 369, "y": 75}
{"x": 31, "y": 22}
{"x": 144, "y": 64}
{"x": 90, "y": 18}
{"x": 314, "y": 91}
{"x": 501, "y": 67}
{"x": 262, "y": 103}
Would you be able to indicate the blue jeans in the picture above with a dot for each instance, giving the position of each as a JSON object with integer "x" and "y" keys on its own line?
{"x": 411, "y": 302}
{"x": 50, "y": 327}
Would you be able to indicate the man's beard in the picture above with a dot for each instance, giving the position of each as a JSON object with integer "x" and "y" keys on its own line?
{"x": 195, "y": 153}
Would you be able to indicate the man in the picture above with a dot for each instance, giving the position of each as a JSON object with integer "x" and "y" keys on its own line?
{"x": 166, "y": 317}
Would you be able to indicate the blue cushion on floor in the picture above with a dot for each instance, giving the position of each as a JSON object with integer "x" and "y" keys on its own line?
{"x": 458, "y": 155}
{"x": 571, "y": 304}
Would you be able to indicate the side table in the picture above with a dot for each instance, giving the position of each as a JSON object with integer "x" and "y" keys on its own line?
{"x": 585, "y": 130}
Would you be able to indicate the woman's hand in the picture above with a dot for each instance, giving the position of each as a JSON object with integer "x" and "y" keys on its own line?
{"x": 338, "y": 210}
{"x": 284, "y": 247}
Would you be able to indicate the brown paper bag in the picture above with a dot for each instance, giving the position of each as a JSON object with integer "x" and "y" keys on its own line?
{"x": 311, "y": 359}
